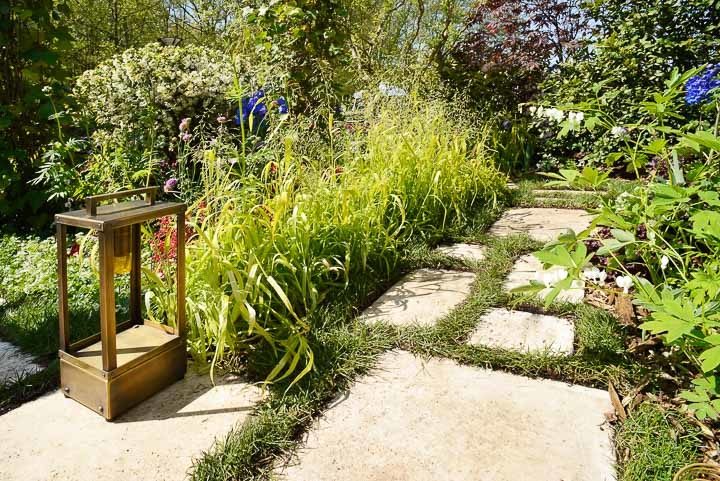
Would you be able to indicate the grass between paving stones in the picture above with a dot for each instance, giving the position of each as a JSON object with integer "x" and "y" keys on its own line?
{"x": 599, "y": 354}
{"x": 346, "y": 349}
{"x": 654, "y": 443}
{"x": 524, "y": 196}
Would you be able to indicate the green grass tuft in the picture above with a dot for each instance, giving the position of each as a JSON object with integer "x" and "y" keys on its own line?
{"x": 657, "y": 443}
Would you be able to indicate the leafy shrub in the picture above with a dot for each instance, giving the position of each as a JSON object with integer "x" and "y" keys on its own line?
{"x": 636, "y": 46}
{"x": 32, "y": 46}
{"x": 661, "y": 242}
{"x": 508, "y": 46}
{"x": 137, "y": 99}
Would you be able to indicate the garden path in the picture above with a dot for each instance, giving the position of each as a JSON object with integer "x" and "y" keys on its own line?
{"x": 415, "y": 419}
{"x": 542, "y": 224}
{"x": 54, "y": 438}
{"x": 15, "y": 364}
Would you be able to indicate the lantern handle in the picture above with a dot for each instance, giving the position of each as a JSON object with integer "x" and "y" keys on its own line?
{"x": 92, "y": 201}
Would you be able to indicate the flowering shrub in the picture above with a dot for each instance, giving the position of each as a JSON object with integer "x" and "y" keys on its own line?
{"x": 660, "y": 243}
{"x": 141, "y": 95}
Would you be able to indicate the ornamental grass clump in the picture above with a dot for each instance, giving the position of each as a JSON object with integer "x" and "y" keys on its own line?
{"x": 274, "y": 248}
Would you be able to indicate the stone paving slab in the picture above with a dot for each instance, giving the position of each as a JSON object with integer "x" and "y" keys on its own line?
{"x": 421, "y": 297}
{"x": 525, "y": 270}
{"x": 541, "y": 223}
{"x": 14, "y": 363}
{"x": 56, "y": 438}
{"x": 524, "y": 331}
{"x": 472, "y": 252}
{"x": 439, "y": 421}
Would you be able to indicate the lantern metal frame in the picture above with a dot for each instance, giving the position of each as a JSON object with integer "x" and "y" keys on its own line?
{"x": 128, "y": 362}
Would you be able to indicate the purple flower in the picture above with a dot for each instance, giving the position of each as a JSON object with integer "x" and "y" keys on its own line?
{"x": 699, "y": 88}
{"x": 185, "y": 137}
{"x": 184, "y": 124}
{"x": 170, "y": 184}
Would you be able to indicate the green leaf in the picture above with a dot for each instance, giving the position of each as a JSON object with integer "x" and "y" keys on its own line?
{"x": 623, "y": 235}
{"x": 710, "y": 358}
{"x": 610, "y": 245}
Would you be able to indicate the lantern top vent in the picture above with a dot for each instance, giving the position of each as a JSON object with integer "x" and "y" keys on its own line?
{"x": 119, "y": 214}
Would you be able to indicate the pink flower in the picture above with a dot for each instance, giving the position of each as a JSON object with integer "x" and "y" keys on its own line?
{"x": 170, "y": 184}
{"x": 184, "y": 125}
{"x": 185, "y": 137}
{"x": 222, "y": 119}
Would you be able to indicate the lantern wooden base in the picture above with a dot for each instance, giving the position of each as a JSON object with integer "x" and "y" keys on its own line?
{"x": 149, "y": 358}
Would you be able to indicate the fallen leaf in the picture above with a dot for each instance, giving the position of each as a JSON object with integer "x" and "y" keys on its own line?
{"x": 617, "y": 404}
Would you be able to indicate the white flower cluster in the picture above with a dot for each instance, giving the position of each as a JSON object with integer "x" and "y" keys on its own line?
{"x": 156, "y": 84}
{"x": 575, "y": 119}
{"x": 551, "y": 277}
{"x": 593, "y": 274}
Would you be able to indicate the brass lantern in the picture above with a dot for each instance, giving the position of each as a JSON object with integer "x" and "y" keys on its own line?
{"x": 128, "y": 362}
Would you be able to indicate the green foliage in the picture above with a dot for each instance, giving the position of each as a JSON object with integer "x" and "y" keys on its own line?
{"x": 635, "y": 48}
{"x": 32, "y": 42}
{"x": 271, "y": 251}
{"x": 114, "y": 26}
{"x": 659, "y": 443}
{"x": 28, "y": 294}
{"x": 513, "y": 144}
{"x": 663, "y": 238}
{"x": 308, "y": 38}
{"x": 589, "y": 178}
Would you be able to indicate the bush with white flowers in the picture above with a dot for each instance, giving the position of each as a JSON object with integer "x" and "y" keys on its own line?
{"x": 147, "y": 90}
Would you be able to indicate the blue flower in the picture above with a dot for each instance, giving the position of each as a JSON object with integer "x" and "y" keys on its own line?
{"x": 282, "y": 106}
{"x": 252, "y": 105}
{"x": 699, "y": 88}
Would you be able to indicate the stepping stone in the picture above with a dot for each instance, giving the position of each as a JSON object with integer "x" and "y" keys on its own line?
{"x": 470, "y": 252}
{"x": 542, "y": 224}
{"x": 421, "y": 297}
{"x": 59, "y": 439}
{"x": 524, "y": 331}
{"x": 437, "y": 420}
{"x": 526, "y": 269}
{"x": 15, "y": 364}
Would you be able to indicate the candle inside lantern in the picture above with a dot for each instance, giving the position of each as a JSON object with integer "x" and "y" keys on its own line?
{"x": 122, "y": 255}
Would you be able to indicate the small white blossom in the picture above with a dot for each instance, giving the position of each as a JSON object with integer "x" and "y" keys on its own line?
{"x": 554, "y": 114}
{"x": 2, "y": 302}
{"x": 664, "y": 261}
{"x": 595, "y": 275}
{"x": 575, "y": 119}
{"x": 624, "y": 282}
{"x": 618, "y": 132}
